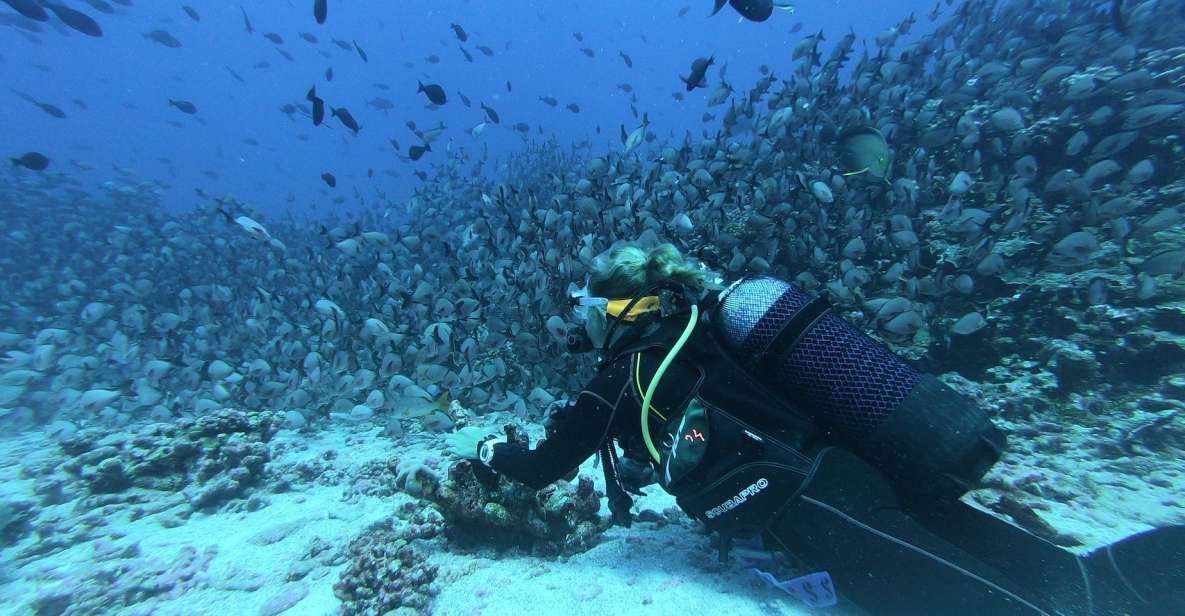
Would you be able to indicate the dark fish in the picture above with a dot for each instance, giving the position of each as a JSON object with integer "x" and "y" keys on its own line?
{"x": 491, "y": 114}
{"x": 189, "y": 10}
{"x": 320, "y": 10}
{"x": 485, "y": 50}
{"x": 522, "y": 127}
{"x": 578, "y": 36}
{"x": 343, "y": 114}
{"x": 699, "y": 70}
{"x": 460, "y": 32}
{"x": 551, "y": 102}
{"x": 329, "y": 74}
{"x": 287, "y": 56}
{"x": 625, "y": 87}
{"x": 246, "y": 20}
{"x": 329, "y": 179}
{"x": 708, "y": 117}
{"x": 464, "y": 99}
{"x": 434, "y": 93}
{"x": 588, "y": 52}
{"x": 184, "y": 106}
{"x": 275, "y": 38}
{"x": 677, "y": 96}
{"x": 310, "y": 37}
{"x": 234, "y": 74}
{"x": 382, "y": 86}
{"x": 753, "y": 10}
{"x": 395, "y": 144}
{"x": 361, "y": 53}
{"x": 907, "y": 25}
{"x": 164, "y": 38}
{"x": 31, "y": 160}
{"x": 573, "y": 107}
{"x": 468, "y": 56}
{"x": 1117, "y": 19}
{"x": 509, "y": 88}
{"x": 75, "y": 19}
{"x": 52, "y": 110}
{"x": 370, "y": 173}
{"x": 432, "y": 59}
{"x": 415, "y": 152}
{"x": 345, "y": 45}
{"x": 30, "y": 9}
{"x": 318, "y": 106}
{"x": 628, "y": 60}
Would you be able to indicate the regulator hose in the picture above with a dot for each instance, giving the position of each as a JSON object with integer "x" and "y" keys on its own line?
{"x": 662, "y": 368}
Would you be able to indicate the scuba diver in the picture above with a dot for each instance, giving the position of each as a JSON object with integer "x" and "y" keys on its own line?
{"x": 766, "y": 414}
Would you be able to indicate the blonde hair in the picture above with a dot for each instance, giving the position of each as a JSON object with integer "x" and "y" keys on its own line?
{"x": 628, "y": 270}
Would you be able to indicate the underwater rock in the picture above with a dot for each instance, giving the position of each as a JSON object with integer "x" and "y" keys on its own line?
{"x": 214, "y": 459}
{"x": 559, "y": 519}
{"x": 1075, "y": 368}
{"x": 386, "y": 573}
{"x": 15, "y": 518}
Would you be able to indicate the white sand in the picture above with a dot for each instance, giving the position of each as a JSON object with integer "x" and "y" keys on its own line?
{"x": 648, "y": 569}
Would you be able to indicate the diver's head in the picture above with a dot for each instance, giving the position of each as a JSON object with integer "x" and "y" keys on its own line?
{"x": 621, "y": 287}
{"x": 628, "y": 270}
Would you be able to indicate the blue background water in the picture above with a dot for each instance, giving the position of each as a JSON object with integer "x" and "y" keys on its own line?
{"x": 125, "y": 80}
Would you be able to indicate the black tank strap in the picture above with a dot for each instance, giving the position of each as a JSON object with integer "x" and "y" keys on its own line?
{"x": 619, "y": 501}
{"x": 792, "y": 332}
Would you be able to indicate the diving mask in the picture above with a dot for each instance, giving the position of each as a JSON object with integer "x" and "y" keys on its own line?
{"x": 594, "y": 312}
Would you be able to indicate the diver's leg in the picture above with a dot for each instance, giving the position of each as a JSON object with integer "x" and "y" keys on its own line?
{"x": 1143, "y": 575}
{"x": 848, "y": 522}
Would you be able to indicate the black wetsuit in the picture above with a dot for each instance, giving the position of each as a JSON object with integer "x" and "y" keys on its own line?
{"x": 763, "y": 468}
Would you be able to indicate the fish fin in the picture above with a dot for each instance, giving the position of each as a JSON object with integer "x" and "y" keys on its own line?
{"x": 719, "y": 4}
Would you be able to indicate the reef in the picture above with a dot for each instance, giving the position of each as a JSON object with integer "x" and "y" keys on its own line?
{"x": 215, "y": 461}
{"x": 385, "y": 573}
{"x": 122, "y": 578}
{"x": 479, "y": 507}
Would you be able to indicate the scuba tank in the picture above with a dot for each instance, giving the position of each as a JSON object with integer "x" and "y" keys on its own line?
{"x": 931, "y": 440}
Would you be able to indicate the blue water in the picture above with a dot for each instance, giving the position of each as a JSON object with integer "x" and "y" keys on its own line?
{"x": 125, "y": 80}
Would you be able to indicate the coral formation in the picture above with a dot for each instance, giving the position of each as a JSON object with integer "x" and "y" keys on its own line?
{"x": 386, "y": 573}
{"x": 559, "y": 519}
{"x": 213, "y": 459}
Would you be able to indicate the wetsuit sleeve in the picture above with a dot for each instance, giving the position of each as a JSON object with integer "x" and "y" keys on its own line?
{"x": 577, "y": 432}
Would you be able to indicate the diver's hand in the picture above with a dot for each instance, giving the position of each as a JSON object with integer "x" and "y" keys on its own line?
{"x": 463, "y": 443}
